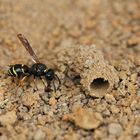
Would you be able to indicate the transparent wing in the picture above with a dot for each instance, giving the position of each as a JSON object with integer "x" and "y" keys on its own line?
{"x": 28, "y": 47}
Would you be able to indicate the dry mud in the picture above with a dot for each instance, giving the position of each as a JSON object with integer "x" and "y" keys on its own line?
{"x": 94, "y": 46}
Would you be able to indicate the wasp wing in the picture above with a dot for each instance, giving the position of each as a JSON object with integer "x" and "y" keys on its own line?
{"x": 28, "y": 47}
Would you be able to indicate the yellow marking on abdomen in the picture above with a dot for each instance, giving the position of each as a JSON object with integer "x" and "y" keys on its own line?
{"x": 10, "y": 73}
{"x": 14, "y": 71}
{"x": 23, "y": 70}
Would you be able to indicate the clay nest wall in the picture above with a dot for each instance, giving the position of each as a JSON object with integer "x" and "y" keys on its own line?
{"x": 86, "y": 66}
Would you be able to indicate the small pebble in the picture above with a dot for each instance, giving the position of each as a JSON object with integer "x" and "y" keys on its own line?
{"x": 114, "y": 109}
{"x": 84, "y": 118}
{"x": 39, "y": 135}
{"x": 136, "y": 130}
{"x": 29, "y": 99}
{"x": 110, "y": 99}
{"x": 115, "y": 129}
{"x": 52, "y": 101}
{"x": 8, "y": 118}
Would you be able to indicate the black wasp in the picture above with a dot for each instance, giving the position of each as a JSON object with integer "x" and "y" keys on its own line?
{"x": 37, "y": 69}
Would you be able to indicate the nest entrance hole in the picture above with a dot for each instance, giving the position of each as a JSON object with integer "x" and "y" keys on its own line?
{"x": 99, "y": 85}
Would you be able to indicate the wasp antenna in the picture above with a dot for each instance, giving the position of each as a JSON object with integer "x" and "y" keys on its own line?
{"x": 54, "y": 86}
{"x": 56, "y": 77}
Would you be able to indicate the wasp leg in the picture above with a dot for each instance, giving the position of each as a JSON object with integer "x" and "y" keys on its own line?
{"x": 48, "y": 89}
{"x": 20, "y": 82}
{"x": 36, "y": 88}
{"x": 44, "y": 82}
{"x": 15, "y": 83}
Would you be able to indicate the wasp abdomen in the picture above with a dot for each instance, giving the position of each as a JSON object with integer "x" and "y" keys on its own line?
{"x": 18, "y": 69}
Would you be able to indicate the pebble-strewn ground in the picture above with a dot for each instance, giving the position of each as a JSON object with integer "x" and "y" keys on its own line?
{"x": 52, "y": 26}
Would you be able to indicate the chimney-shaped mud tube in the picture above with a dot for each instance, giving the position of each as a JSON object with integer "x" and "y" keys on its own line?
{"x": 97, "y": 77}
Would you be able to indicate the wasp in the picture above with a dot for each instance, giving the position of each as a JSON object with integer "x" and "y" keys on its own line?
{"x": 38, "y": 69}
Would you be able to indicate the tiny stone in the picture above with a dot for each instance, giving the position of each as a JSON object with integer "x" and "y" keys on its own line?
{"x": 84, "y": 118}
{"x": 110, "y": 99}
{"x": 39, "y": 135}
{"x": 41, "y": 119}
{"x": 136, "y": 130}
{"x": 29, "y": 99}
{"x": 45, "y": 109}
{"x": 115, "y": 129}
{"x": 8, "y": 118}
{"x": 138, "y": 105}
{"x": 106, "y": 113}
{"x": 138, "y": 93}
{"x": 133, "y": 105}
{"x": 114, "y": 109}
{"x": 52, "y": 101}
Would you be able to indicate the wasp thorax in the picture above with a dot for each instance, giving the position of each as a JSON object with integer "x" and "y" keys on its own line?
{"x": 38, "y": 69}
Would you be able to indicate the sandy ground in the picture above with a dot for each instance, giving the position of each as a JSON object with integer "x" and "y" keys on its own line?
{"x": 94, "y": 46}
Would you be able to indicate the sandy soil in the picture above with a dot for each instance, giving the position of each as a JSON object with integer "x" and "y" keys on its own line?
{"x": 94, "y": 46}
